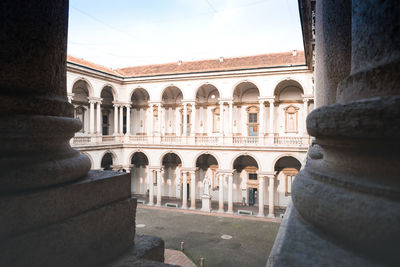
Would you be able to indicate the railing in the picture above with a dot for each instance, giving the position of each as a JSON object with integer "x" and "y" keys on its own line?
{"x": 171, "y": 139}
{"x": 81, "y": 140}
{"x": 288, "y": 140}
{"x": 142, "y": 139}
{"x": 108, "y": 138}
{"x": 206, "y": 140}
{"x": 245, "y": 140}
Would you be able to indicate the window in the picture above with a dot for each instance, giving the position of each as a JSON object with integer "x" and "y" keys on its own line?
{"x": 253, "y": 176}
{"x": 291, "y": 123}
{"x": 216, "y": 120}
{"x": 252, "y": 117}
{"x": 252, "y": 123}
{"x": 105, "y": 123}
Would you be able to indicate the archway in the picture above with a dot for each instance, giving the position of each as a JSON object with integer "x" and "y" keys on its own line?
{"x": 246, "y": 175}
{"x": 107, "y": 161}
{"x": 139, "y": 173}
{"x": 206, "y": 165}
{"x": 107, "y": 111}
{"x": 207, "y": 97}
{"x": 172, "y": 180}
{"x": 246, "y": 96}
{"x": 286, "y": 169}
{"x": 171, "y": 112}
{"x": 140, "y": 103}
{"x": 80, "y": 100}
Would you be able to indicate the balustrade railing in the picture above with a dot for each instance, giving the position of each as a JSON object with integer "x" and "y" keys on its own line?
{"x": 206, "y": 140}
{"x": 288, "y": 140}
{"x": 171, "y": 139}
{"x": 245, "y": 140}
{"x": 81, "y": 140}
{"x": 108, "y": 138}
{"x": 142, "y": 139}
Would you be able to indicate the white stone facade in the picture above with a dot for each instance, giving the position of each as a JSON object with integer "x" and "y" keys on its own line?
{"x": 246, "y": 127}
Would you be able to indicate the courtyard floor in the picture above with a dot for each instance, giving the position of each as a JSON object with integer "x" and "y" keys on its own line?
{"x": 250, "y": 243}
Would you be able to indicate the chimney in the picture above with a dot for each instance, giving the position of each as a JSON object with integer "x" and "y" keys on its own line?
{"x": 179, "y": 62}
{"x": 221, "y": 59}
{"x": 294, "y": 53}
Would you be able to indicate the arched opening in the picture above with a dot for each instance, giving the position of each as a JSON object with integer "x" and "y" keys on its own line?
{"x": 286, "y": 168}
{"x": 140, "y": 103}
{"x": 107, "y": 111}
{"x": 246, "y": 175}
{"x": 207, "y": 166}
{"x": 171, "y": 182}
{"x": 207, "y": 97}
{"x": 289, "y": 91}
{"x": 139, "y": 173}
{"x": 80, "y": 100}
{"x": 107, "y": 162}
{"x": 171, "y": 113}
{"x": 247, "y": 110}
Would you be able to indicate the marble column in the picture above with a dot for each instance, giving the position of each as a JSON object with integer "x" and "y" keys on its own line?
{"x": 261, "y": 192}
{"x": 193, "y": 118}
{"x": 184, "y": 187}
{"x": 151, "y": 187}
{"x": 230, "y": 130}
{"x": 116, "y": 119}
{"x": 91, "y": 116}
{"x": 210, "y": 121}
{"x": 151, "y": 131}
{"x": 193, "y": 190}
{"x": 99, "y": 120}
{"x": 262, "y": 113}
{"x": 160, "y": 178}
{"x": 221, "y": 193}
{"x": 128, "y": 119}
{"x": 184, "y": 123}
{"x": 230, "y": 193}
{"x": 271, "y": 116}
{"x": 160, "y": 119}
{"x": 221, "y": 117}
{"x": 177, "y": 122}
{"x": 121, "y": 119}
{"x": 305, "y": 113}
{"x": 271, "y": 195}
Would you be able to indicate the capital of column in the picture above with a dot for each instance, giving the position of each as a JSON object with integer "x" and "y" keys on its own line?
{"x": 117, "y": 104}
{"x": 94, "y": 100}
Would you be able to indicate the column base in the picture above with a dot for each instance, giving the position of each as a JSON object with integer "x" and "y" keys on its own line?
{"x": 229, "y": 212}
{"x": 221, "y": 211}
{"x": 272, "y": 216}
{"x": 192, "y": 208}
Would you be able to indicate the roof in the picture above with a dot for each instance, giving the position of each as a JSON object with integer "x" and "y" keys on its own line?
{"x": 236, "y": 63}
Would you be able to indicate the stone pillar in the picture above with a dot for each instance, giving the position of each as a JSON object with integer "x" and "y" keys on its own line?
{"x": 193, "y": 190}
{"x": 161, "y": 119}
{"x": 221, "y": 117}
{"x": 177, "y": 122}
{"x": 121, "y": 119}
{"x": 184, "y": 123}
{"x": 261, "y": 191}
{"x": 151, "y": 131}
{"x": 128, "y": 119}
{"x": 184, "y": 187}
{"x": 230, "y": 118}
{"x": 230, "y": 193}
{"x": 210, "y": 121}
{"x": 221, "y": 193}
{"x": 193, "y": 128}
{"x": 305, "y": 113}
{"x": 271, "y": 117}
{"x": 151, "y": 187}
{"x": 99, "y": 120}
{"x": 91, "y": 116}
{"x": 271, "y": 197}
{"x": 160, "y": 174}
{"x": 262, "y": 112}
{"x": 116, "y": 118}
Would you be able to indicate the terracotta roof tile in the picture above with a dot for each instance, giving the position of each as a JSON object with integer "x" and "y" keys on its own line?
{"x": 265, "y": 60}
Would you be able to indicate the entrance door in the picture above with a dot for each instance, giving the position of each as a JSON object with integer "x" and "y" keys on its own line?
{"x": 188, "y": 191}
{"x": 252, "y": 196}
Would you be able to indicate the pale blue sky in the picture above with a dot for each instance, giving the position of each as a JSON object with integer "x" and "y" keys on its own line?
{"x": 119, "y": 33}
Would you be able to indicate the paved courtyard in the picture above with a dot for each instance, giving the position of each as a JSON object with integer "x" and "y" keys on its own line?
{"x": 250, "y": 244}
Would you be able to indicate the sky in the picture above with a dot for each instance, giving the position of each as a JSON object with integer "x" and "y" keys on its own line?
{"x": 121, "y": 33}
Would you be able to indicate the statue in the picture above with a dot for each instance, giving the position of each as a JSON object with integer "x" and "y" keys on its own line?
{"x": 206, "y": 186}
{"x": 206, "y": 197}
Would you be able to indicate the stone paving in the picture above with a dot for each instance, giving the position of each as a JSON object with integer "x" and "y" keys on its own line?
{"x": 221, "y": 239}
{"x": 176, "y": 257}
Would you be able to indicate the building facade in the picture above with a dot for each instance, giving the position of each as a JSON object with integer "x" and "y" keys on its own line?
{"x": 240, "y": 122}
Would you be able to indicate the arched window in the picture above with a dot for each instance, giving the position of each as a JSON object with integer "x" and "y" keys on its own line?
{"x": 291, "y": 119}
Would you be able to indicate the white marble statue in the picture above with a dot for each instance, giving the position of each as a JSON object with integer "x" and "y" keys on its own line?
{"x": 206, "y": 184}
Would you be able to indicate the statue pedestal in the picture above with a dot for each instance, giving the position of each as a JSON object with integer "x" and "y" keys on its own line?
{"x": 206, "y": 203}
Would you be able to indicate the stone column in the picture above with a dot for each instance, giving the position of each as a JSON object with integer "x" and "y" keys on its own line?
{"x": 230, "y": 193}
{"x": 193, "y": 128}
{"x": 121, "y": 119}
{"x": 160, "y": 174}
{"x": 116, "y": 118}
{"x": 151, "y": 130}
{"x": 160, "y": 119}
{"x": 262, "y": 111}
{"x": 221, "y": 193}
{"x": 184, "y": 187}
{"x": 230, "y": 117}
{"x": 151, "y": 187}
{"x": 184, "y": 131}
{"x": 305, "y": 113}
{"x": 193, "y": 190}
{"x": 177, "y": 122}
{"x": 221, "y": 117}
{"x": 91, "y": 116}
{"x": 271, "y": 197}
{"x": 271, "y": 117}
{"x": 209, "y": 121}
{"x": 37, "y": 120}
{"x": 128, "y": 119}
{"x": 261, "y": 191}
{"x": 99, "y": 120}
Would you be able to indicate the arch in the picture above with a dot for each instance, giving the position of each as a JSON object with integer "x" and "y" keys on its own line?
{"x": 286, "y": 155}
{"x": 167, "y": 152}
{"x": 145, "y": 94}
{"x": 245, "y": 88}
{"x": 138, "y": 151}
{"x": 90, "y": 86}
{"x": 206, "y": 153}
{"x": 170, "y": 87}
{"x": 287, "y": 82}
{"x": 113, "y": 90}
{"x": 114, "y": 156}
{"x": 244, "y": 81}
{"x": 107, "y": 160}
{"x": 206, "y": 84}
{"x": 246, "y": 154}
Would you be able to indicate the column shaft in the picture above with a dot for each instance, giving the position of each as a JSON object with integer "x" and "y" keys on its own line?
{"x": 271, "y": 203}
{"x": 271, "y": 117}
{"x": 115, "y": 118}
{"x": 91, "y": 117}
{"x": 193, "y": 190}
{"x": 193, "y": 128}
{"x": 230, "y": 193}
{"x": 184, "y": 186}
{"x": 98, "y": 118}
{"x": 160, "y": 119}
{"x": 221, "y": 117}
{"x": 121, "y": 119}
{"x": 230, "y": 118}
{"x": 184, "y": 122}
{"x": 159, "y": 186}
{"x": 151, "y": 188}
{"x": 262, "y": 111}
{"x": 221, "y": 193}
{"x": 128, "y": 119}
{"x": 261, "y": 196}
